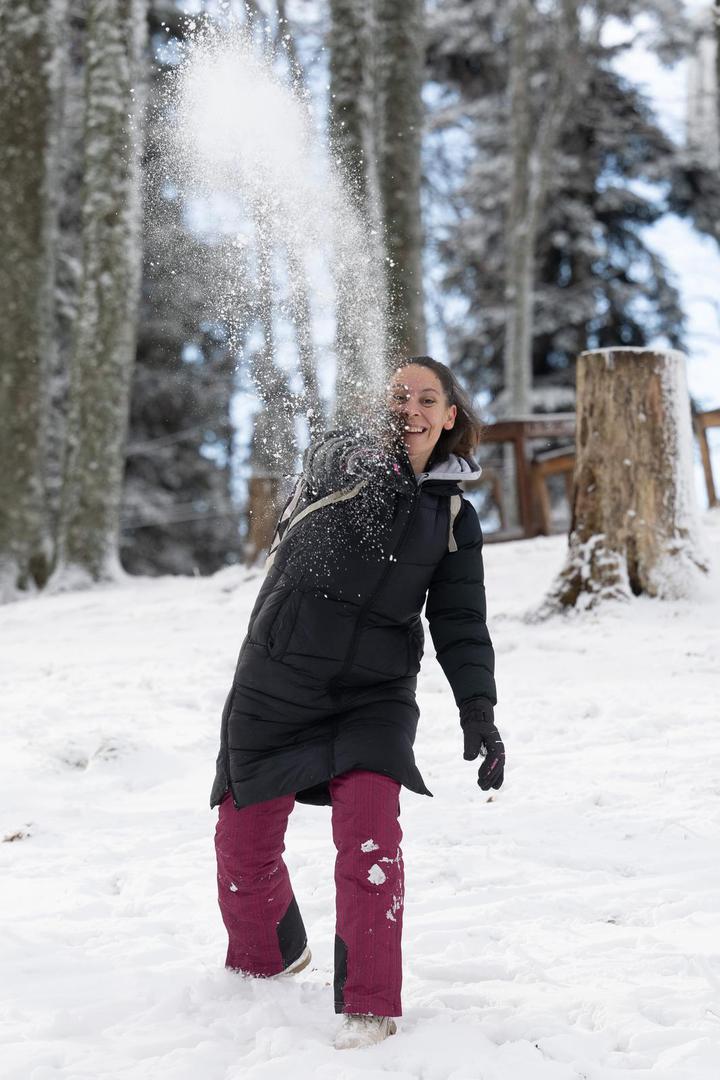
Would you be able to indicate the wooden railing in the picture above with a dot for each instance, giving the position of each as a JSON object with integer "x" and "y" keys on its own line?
{"x": 532, "y": 469}
{"x": 701, "y": 423}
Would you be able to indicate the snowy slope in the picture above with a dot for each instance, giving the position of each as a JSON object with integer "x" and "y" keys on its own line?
{"x": 570, "y": 929}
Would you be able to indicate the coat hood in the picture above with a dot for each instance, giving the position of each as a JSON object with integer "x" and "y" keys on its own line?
{"x": 452, "y": 468}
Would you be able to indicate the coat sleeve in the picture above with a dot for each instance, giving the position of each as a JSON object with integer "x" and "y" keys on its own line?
{"x": 456, "y": 613}
{"x": 342, "y": 458}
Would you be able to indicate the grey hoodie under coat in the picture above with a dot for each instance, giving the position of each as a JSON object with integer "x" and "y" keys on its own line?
{"x": 326, "y": 676}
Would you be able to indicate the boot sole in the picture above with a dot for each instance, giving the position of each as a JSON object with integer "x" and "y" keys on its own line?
{"x": 297, "y": 965}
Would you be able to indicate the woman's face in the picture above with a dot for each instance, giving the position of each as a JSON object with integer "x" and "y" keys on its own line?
{"x": 418, "y": 400}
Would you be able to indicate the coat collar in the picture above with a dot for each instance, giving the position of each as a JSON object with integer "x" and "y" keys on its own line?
{"x": 453, "y": 468}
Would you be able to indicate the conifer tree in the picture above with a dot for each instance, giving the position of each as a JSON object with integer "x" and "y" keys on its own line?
{"x": 179, "y": 514}
{"x": 597, "y": 281}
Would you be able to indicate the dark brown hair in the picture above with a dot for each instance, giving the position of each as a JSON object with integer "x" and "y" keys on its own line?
{"x": 464, "y": 436}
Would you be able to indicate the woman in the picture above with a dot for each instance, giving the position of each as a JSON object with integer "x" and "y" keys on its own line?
{"x": 322, "y": 707}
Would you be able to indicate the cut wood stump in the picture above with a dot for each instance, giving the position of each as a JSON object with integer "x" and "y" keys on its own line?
{"x": 634, "y": 527}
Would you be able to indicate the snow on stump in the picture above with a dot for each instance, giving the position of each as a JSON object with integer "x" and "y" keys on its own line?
{"x": 635, "y": 527}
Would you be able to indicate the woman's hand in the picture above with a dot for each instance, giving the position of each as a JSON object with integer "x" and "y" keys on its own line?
{"x": 481, "y": 736}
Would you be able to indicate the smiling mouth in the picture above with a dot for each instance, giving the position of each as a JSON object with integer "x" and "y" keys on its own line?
{"x": 414, "y": 430}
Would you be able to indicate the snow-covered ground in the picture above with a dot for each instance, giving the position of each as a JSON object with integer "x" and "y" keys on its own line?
{"x": 570, "y": 929}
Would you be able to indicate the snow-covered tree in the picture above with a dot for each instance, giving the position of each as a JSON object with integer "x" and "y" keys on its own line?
{"x": 351, "y": 110}
{"x": 716, "y": 20}
{"x": 178, "y": 513}
{"x": 376, "y": 128}
{"x": 31, "y": 63}
{"x": 104, "y": 339}
{"x": 695, "y": 180}
{"x": 533, "y": 137}
{"x": 351, "y": 107}
{"x": 596, "y": 281}
{"x": 703, "y": 110}
{"x": 400, "y": 68}
{"x": 272, "y": 448}
{"x": 68, "y": 251}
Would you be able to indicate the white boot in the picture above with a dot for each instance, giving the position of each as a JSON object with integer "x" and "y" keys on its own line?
{"x": 297, "y": 965}
{"x": 362, "y": 1029}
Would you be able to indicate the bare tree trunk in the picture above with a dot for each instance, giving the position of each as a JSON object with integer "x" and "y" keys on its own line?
{"x": 533, "y": 144}
{"x": 351, "y": 120}
{"x": 300, "y": 300}
{"x": 716, "y": 19}
{"x": 307, "y": 356}
{"x": 30, "y": 68}
{"x": 400, "y": 70}
{"x": 104, "y": 347}
{"x": 352, "y": 145}
{"x": 634, "y": 525}
{"x": 376, "y": 118}
{"x": 272, "y": 449}
{"x": 521, "y": 245}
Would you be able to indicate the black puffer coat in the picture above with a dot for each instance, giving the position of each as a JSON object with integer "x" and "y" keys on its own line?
{"x": 325, "y": 681}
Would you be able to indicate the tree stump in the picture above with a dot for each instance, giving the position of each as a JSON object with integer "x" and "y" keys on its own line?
{"x": 635, "y": 527}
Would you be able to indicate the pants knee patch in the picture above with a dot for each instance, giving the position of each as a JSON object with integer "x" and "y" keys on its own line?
{"x": 292, "y": 938}
{"x": 340, "y": 973}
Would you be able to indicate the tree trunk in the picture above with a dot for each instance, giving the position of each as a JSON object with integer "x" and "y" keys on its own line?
{"x": 533, "y": 140}
{"x": 400, "y": 76}
{"x": 300, "y": 298}
{"x": 30, "y": 69}
{"x": 352, "y": 145}
{"x": 272, "y": 447}
{"x": 520, "y": 243}
{"x": 307, "y": 354}
{"x": 634, "y": 525}
{"x": 104, "y": 346}
{"x": 350, "y": 114}
{"x": 716, "y": 19}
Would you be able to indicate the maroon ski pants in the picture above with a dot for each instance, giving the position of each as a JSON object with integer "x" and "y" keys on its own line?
{"x": 261, "y": 915}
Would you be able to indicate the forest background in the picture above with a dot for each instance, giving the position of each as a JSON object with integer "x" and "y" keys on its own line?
{"x": 528, "y": 195}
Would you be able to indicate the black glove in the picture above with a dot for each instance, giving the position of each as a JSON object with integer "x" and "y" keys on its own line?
{"x": 481, "y": 736}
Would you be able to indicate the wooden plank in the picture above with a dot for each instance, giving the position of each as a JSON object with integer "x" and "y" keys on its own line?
{"x": 701, "y": 435}
{"x": 552, "y": 466}
{"x": 553, "y": 426}
{"x": 708, "y": 419}
{"x": 502, "y": 535}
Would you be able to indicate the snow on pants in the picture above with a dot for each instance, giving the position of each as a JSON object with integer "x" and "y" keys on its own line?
{"x": 262, "y": 918}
